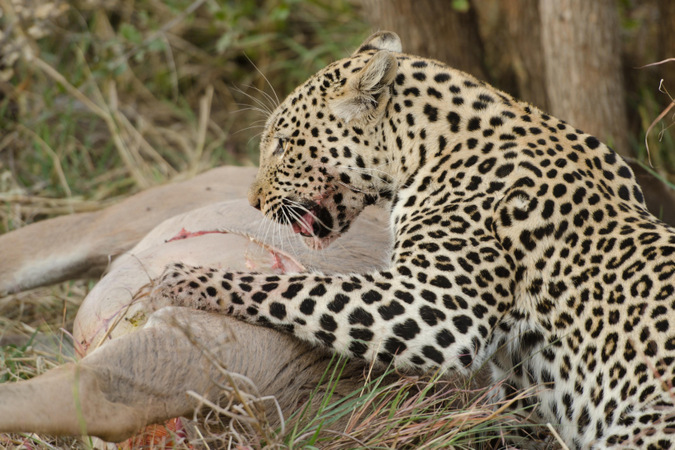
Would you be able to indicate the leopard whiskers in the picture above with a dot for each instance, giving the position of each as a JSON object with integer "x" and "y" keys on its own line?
{"x": 272, "y": 233}
{"x": 266, "y": 105}
{"x": 270, "y": 227}
{"x": 258, "y": 124}
{"x": 271, "y": 102}
{"x": 304, "y": 208}
{"x": 280, "y": 227}
{"x": 293, "y": 213}
{"x": 264, "y": 109}
{"x": 276, "y": 101}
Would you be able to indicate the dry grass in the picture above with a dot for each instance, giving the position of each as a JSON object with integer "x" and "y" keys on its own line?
{"x": 33, "y": 340}
{"x": 390, "y": 411}
{"x": 101, "y": 99}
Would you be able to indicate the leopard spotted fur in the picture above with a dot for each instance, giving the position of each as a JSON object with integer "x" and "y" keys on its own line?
{"x": 518, "y": 242}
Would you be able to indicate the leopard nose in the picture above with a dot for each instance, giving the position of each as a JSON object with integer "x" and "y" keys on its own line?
{"x": 254, "y": 198}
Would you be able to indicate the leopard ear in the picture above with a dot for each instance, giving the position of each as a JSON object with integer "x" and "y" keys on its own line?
{"x": 382, "y": 40}
{"x": 368, "y": 90}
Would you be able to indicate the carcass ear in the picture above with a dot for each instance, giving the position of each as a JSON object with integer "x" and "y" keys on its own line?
{"x": 367, "y": 89}
{"x": 382, "y": 40}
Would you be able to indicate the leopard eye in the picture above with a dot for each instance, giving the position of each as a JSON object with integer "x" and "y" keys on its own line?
{"x": 282, "y": 145}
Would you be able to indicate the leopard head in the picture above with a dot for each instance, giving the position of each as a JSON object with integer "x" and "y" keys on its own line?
{"x": 322, "y": 154}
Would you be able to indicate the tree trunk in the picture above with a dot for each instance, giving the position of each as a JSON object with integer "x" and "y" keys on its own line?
{"x": 564, "y": 56}
{"x": 522, "y": 48}
{"x": 433, "y": 29}
{"x": 582, "y": 53}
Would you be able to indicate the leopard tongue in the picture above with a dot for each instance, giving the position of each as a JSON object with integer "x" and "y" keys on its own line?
{"x": 304, "y": 226}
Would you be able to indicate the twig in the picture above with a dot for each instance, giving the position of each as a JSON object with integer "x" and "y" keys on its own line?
{"x": 658, "y": 63}
{"x": 663, "y": 113}
{"x": 204, "y": 114}
{"x": 654, "y": 122}
{"x": 557, "y": 436}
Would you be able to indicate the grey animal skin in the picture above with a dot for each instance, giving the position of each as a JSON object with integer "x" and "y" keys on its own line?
{"x": 143, "y": 371}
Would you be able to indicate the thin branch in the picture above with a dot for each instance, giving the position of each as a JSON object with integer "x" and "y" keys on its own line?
{"x": 658, "y": 63}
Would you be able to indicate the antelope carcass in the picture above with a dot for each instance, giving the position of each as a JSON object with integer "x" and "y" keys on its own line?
{"x": 138, "y": 368}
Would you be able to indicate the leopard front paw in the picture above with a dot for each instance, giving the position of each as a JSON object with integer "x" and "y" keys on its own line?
{"x": 189, "y": 286}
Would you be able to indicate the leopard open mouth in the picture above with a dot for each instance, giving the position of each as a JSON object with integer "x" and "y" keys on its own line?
{"x": 313, "y": 222}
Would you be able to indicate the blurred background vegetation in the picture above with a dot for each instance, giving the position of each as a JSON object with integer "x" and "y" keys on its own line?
{"x": 99, "y": 99}
{"x": 102, "y": 98}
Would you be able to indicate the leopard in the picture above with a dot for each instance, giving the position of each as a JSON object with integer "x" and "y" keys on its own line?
{"x": 518, "y": 243}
